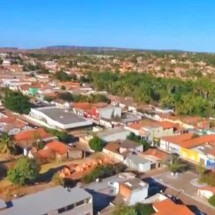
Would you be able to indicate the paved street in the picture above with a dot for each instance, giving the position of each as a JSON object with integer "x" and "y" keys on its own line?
{"x": 182, "y": 188}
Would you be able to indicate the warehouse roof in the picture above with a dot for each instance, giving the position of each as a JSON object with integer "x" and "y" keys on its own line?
{"x": 46, "y": 201}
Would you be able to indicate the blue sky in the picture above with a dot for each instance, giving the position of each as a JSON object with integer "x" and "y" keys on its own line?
{"x": 151, "y": 24}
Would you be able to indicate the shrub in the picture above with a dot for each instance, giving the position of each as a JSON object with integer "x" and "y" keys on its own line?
{"x": 211, "y": 200}
{"x": 25, "y": 170}
{"x": 96, "y": 144}
{"x": 57, "y": 180}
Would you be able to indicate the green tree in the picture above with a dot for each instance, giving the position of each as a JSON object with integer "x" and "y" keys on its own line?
{"x": 125, "y": 210}
{"x": 103, "y": 171}
{"x": 176, "y": 165}
{"x": 6, "y": 144}
{"x": 61, "y": 135}
{"x": 137, "y": 139}
{"x": 143, "y": 209}
{"x": 211, "y": 200}
{"x": 26, "y": 170}
{"x": 17, "y": 102}
{"x": 62, "y": 76}
{"x": 200, "y": 169}
{"x": 96, "y": 144}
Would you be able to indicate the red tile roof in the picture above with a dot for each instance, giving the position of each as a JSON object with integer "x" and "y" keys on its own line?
{"x": 156, "y": 153}
{"x": 168, "y": 207}
{"x": 58, "y": 147}
{"x": 198, "y": 141}
{"x": 168, "y": 125}
{"x": 31, "y": 134}
{"x": 177, "y": 139}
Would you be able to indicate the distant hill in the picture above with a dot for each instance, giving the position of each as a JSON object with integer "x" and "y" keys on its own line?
{"x": 65, "y": 49}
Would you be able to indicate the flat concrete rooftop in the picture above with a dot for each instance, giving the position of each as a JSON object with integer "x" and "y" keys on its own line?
{"x": 61, "y": 115}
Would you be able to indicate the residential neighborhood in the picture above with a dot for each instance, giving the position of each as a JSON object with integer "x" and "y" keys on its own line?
{"x": 68, "y": 146}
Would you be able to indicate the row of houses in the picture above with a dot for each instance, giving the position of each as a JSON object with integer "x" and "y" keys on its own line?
{"x": 78, "y": 201}
{"x": 191, "y": 147}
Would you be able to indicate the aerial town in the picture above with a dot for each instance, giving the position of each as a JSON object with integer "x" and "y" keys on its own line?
{"x": 83, "y": 134}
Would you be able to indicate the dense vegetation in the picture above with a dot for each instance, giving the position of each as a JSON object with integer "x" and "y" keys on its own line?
{"x": 103, "y": 171}
{"x": 17, "y": 102}
{"x": 63, "y": 76}
{"x": 186, "y": 97}
{"x": 25, "y": 171}
{"x": 138, "y": 209}
{"x": 61, "y": 135}
{"x": 138, "y": 139}
{"x": 211, "y": 200}
{"x": 93, "y": 98}
{"x": 96, "y": 144}
{"x": 208, "y": 178}
{"x": 6, "y": 144}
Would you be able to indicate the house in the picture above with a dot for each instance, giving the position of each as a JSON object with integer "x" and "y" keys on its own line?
{"x": 131, "y": 192}
{"x": 58, "y": 118}
{"x": 13, "y": 125}
{"x": 167, "y": 206}
{"x": 206, "y": 192}
{"x": 187, "y": 122}
{"x": 152, "y": 130}
{"x": 137, "y": 163}
{"x": 55, "y": 200}
{"x": 197, "y": 149}
{"x": 6, "y": 62}
{"x": 69, "y": 85}
{"x": 156, "y": 156}
{"x": 25, "y": 139}
{"x": 119, "y": 149}
{"x": 113, "y": 150}
{"x": 171, "y": 144}
{"x": 164, "y": 111}
{"x": 88, "y": 110}
{"x": 113, "y": 134}
{"x": 56, "y": 150}
{"x": 109, "y": 112}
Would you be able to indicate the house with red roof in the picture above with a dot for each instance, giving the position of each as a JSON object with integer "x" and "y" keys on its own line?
{"x": 191, "y": 147}
{"x": 168, "y": 207}
{"x": 155, "y": 156}
{"x": 56, "y": 150}
{"x": 26, "y": 139}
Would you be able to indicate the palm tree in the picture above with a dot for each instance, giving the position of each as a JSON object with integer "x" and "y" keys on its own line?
{"x": 6, "y": 144}
{"x": 176, "y": 165}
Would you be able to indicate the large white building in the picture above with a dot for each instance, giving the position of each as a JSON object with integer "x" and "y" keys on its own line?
{"x": 56, "y": 200}
{"x": 58, "y": 118}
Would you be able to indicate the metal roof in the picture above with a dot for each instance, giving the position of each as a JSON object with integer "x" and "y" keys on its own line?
{"x": 61, "y": 115}
{"x": 45, "y": 201}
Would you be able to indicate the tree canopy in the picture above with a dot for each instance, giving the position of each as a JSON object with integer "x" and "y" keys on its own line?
{"x": 93, "y": 98}
{"x": 138, "y": 139}
{"x": 26, "y": 170}
{"x": 186, "y": 97}
{"x": 63, "y": 76}
{"x": 211, "y": 200}
{"x": 96, "y": 144}
{"x": 61, "y": 135}
{"x": 17, "y": 102}
{"x": 6, "y": 144}
{"x": 138, "y": 209}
